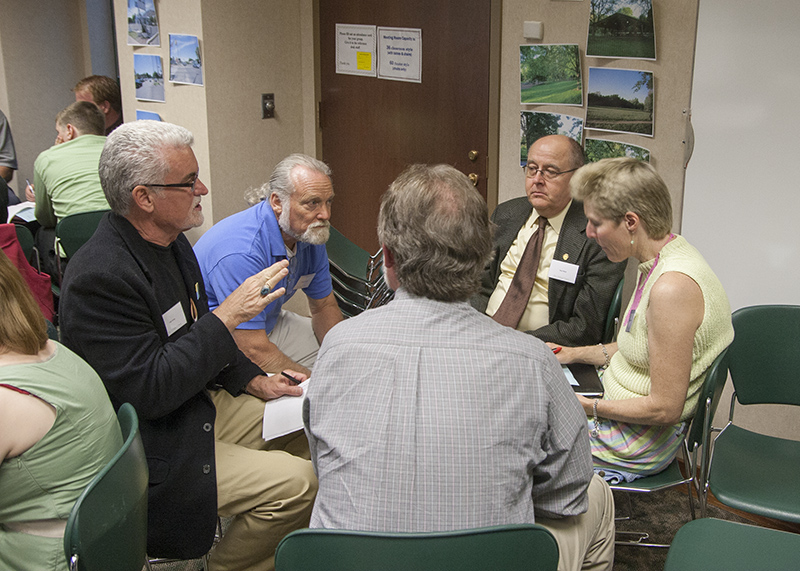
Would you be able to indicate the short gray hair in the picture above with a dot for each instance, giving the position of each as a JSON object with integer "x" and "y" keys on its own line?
{"x": 437, "y": 227}
{"x": 280, "y": 182}
{"x": 134, "y": 155}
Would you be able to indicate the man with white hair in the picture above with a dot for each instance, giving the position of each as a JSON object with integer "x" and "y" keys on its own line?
{"x": 134, "y": 307}
{"x": 289, "y": 219}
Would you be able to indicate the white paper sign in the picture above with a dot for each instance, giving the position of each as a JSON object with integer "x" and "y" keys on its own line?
{"x": 400, "y": 54}
{"x": 355, "y": 49}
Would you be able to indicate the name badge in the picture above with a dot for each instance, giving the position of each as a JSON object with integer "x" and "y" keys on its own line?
{"x": 174, "y": 318}
{"x": 304, "y": 281}
{"x": 563, "y": 271}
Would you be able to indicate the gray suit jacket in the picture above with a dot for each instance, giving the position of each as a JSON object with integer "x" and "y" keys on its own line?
{"x": 577, "y": 311}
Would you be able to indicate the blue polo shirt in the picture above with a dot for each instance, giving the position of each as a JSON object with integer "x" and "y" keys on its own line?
{"x": 247, "y": 242}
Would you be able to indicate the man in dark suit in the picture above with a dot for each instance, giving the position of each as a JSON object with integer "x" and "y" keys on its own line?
{"x": 574, "y": 282}
{"x": 134, "y": 307}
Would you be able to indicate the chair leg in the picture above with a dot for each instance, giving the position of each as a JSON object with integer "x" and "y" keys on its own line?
{"x": 630, "y": 508}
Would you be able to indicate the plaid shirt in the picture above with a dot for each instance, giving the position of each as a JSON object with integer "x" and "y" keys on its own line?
{"x": 424, "y": 415}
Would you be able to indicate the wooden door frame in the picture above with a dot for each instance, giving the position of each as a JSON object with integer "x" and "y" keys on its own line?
{"x": 492, "y": 166}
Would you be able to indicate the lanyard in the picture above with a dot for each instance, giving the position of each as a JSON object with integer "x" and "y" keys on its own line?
{"x": 637, "y": 296}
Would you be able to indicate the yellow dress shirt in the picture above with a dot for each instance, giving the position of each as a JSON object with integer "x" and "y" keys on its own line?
{"x": 537, "y": 313}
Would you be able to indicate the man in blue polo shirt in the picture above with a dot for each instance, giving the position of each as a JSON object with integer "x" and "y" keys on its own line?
{"x": 289, "y": 219}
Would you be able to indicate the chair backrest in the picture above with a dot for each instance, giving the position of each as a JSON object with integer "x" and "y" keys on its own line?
{"x": 107, "y": 527}
{"x": 710, "y": 394}
{"x": 73, "y": 231}
{"x": 347, "y": 256}
{"x": 764, "y": 357}
{"x": 612, "y": 319}
{"x": 523, "y": 547}
{"x": 25, "y": 240}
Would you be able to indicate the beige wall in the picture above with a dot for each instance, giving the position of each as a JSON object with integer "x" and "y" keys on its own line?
{"x": 43, "y": 53}
{"x": 258, "y": 47}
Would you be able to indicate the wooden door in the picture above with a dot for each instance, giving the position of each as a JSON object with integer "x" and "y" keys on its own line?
{"x": 373, "y": 128}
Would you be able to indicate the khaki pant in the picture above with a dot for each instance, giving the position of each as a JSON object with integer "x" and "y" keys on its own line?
{"x": 294, "y": 336}
{"x": 586, "y": 541}
{"x": 267, "y": 487}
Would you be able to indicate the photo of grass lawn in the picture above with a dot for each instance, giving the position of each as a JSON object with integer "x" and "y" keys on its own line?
{"x": 614, "y": 102}
{"x": 621, "y": 29}
{"x": 550, "y": 74}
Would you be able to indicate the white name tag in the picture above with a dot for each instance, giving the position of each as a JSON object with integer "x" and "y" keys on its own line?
{"x": 304, "y": 281}
{"x": 563, "y": 271}
{"x": 174, "y": 318}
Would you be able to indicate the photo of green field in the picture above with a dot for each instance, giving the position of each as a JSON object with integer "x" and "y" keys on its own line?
{"x": 620, "y": 100}
{"x": 621, "y": 29}
{"x": 550, "y": 74}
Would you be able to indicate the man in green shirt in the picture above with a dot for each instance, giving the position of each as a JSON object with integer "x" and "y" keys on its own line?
{"x": 65, "y": 179}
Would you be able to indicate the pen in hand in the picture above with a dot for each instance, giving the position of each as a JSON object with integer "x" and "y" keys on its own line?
{"x": 556, "y": 350}
{"x": 290, "y": 377}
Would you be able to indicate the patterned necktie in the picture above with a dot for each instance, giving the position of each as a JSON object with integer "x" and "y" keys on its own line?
{"x": 516, "y": 300}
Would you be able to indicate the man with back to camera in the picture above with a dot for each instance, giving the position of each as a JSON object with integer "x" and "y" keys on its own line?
{"x": 103, "y": 92}
{"x": 424, "y": 415}
{"x": 574, "y": 283}
{"x": 134, "y": 307}
{"x": 65, "y": 179}
{"x": 288, "y": 219}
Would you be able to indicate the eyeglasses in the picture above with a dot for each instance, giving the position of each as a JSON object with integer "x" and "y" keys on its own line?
{"x": 189, "y": 185}
{"x": 548, "y": 173}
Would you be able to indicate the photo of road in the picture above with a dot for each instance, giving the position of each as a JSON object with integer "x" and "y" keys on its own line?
{"x": 142, "y": 23}
{"x": 184, "y": 60}
{"x": 149, "y": 77}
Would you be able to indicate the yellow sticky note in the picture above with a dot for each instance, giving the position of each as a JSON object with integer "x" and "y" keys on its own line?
{"x": 364, "y": 60}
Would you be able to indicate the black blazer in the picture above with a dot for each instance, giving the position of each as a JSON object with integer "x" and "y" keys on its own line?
{"x": 111, "y": 315}
{"x": 577, "y": 311}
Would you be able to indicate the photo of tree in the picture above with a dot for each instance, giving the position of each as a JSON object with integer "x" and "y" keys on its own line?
{"x": 597, "y": 149}
{"x": 621, "y": 29}
{"x": 620, "y": 100}
{"x": 535, "y": 124}
{"x": 550, "y": 74}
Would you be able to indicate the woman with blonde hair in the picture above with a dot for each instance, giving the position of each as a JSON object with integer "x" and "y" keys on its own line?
{"x": 57, "y": 431}
{"x": 676, "y": 324}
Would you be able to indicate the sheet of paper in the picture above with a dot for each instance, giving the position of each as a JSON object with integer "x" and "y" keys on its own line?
{"x": 22, "y": 210}
{"x": 570, "y": 377}
{"x": 283, "y": 415}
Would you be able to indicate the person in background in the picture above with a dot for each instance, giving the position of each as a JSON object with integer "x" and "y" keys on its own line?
{"x": 678, "y": 321}
{"x": 103, "y": 92}
{"x": 65, "y": 179}
{"x": 8, "y": 164}
{"x": 57, "y": 431}
{"x": 424, "y": 415}
{"x": 570, "y": 282}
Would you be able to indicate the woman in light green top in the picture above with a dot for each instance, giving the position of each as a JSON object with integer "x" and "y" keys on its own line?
{"x": 676, "y": 324}
{"x": 57, "y": 431}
